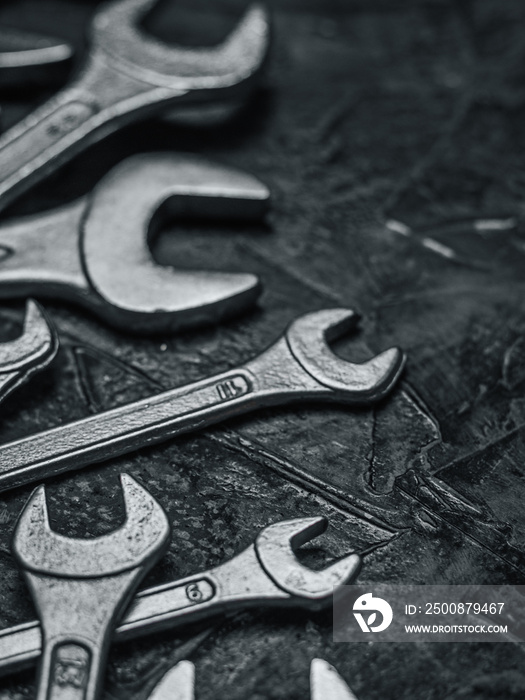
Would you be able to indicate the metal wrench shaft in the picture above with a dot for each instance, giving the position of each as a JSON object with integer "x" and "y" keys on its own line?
{"x": 298, "y": 366}
{"x": 239, "y": 583}
{"x": 126, "y": 76}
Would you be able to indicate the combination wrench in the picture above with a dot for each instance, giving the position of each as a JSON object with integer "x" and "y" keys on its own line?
{"x": 265, "y": 574}
{"x": 299, "y": 366}
{"x": 80, "y": 587}
{"x": 95, "y": 251}
{"x": 126, "y": 76}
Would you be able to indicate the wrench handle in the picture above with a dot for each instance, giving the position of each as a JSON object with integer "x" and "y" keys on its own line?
{"x": 124, "y": 429}
{"x": 66, "y": 124}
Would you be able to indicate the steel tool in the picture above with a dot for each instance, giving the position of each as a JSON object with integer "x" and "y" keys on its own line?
{"x": 267, "y": 574}
{"x": 31, "y": 58}
{"x": 95, "y": 251}
{"x": 126, "y": 76}
{"x": 299, "y": 366}
{"x": 22, "y": 358}
{"x": 179, "y": 683}
{"x": 81, "y": 587}
{"x": 326, "y": 683}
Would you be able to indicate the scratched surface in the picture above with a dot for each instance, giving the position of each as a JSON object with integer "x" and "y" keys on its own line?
{"x": 391, "y": 135}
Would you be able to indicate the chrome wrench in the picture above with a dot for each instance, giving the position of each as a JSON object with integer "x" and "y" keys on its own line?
{"x": 80, "y": 587}
{"x": 299, "y": 366}
{"x": 266, "y": 574}
{"x": 95, "y": 251}
{"x": 126, "y": 76}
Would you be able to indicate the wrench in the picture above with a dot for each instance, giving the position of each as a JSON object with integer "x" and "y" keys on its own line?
{"x": 31, "y": 58}
{"x": 80, "y": 587}
{"x": 179, "y": 683}
{"x": 95, "y": 251}
{"x": 20, "y": 359}
{"x": 126, "y": 76}
{"x": 266, "y": 574}
{"x": 299, "y": 366}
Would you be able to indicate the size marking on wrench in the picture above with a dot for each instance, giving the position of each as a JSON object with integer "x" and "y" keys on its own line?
{"x": 126, "y": 76}
{"x": 80, "y": 587}
{"x": 95, "y": 251}
{"x": 267, "y": 573}
{"x": 298, "y": 366}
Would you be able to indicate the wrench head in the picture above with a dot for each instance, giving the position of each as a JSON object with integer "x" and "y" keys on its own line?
{"x": 126, "y": 208}
{"x": 143, "y": 535}
{"x": 20, "y": 359}
{"x": 325, "y": 682}
{"x": 308, "y": 338}
{"x": 233, "y": 63}
{"x": 275, "y": 547}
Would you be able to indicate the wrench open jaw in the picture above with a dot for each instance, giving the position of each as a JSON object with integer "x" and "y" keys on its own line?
{"x": 127, "y": 76}
{"x": 275, "y": 547}
{"x": 267, "y": 573}
{"x": 95, "y": 251}
{"x": 80, "y": 587}
{"x": 30, "y": 353}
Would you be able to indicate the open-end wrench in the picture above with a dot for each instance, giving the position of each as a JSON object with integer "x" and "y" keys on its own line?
{"x": 30, "y": 353}
{"x": 126, "y": 76}
{"x": 31, "y": 58}
{"x": 80, "y": 587}
{"x": 95, "y": 251}
{"x": 266, "y": 574}
{"x": 299, "y": 366}
{"x": 178, "y": 683}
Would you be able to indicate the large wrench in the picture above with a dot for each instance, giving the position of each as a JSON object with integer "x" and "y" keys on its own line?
{"x": 80, "y": 587}
{"x": 299, "y": 366}
{"x": 267, "y": 574}
{"x": 95, "y": 251}
{"x": 178, "y": 683}
{"x": 24, "y": 357}
{"x": 126, "y": 76}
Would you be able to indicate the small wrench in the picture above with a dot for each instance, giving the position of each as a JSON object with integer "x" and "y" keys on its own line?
{"x": 299, "y": 366}
{"x": 95, "y": 251}
{"x": 31, "y": 58}
{"x": 266, "y": 574}
{"x": 126, "y": 76}
{"x": 178, "y": 683}
{"x": 80, "y": 587}
{"x": 22, "y": 358}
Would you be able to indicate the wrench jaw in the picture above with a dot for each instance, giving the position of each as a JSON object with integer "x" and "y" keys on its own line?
{"x": 352, "y": 383}
{"x": 275, "y": 547}
{"x": 325, "y": 683}
{"x": 144, "y": 534}
{"x": 80, "y": 587}
{"x": 30, "y": 353}
{"x": 229, "y": 68}
{"x": 134, "y": 292}
{"x": 176, "y": 684}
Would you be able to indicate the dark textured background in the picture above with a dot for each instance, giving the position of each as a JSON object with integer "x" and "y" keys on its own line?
{"x": 370, "y": 111}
